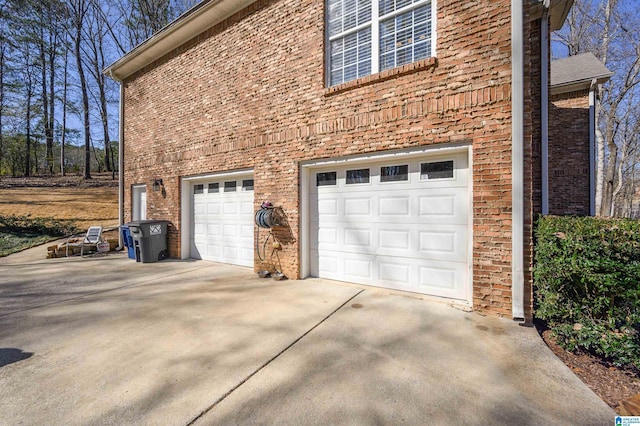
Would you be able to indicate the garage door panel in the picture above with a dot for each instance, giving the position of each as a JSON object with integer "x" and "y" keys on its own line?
{"x": 199, "y": 229}
{"x": 326, "y": 237}
{"x": 247, "y": 208}
{"x": 328, "y": 207}
{"x": 199, "y": 208}
{"x": 214, "y": 250}
{"x": 213, "y": 208}
{"x": 230, "y": 230}
{"x": 358, "y": 268}
{"x": 394, "y": 273}
{"x": 358, "y": 238}
{"x": 230, "y": 207}
{"x": 394, "y": 239}
{"x": 223, "y": 223}
{"x": 444, "y": 206}
{"x": 446, "y": 280}
{"x": 408, "y": 235}
{"x": 247, "y": 231}
{"x": 357, "y": 207}
{"x": 394, "y": 206}
{"x": 443, "y": 242}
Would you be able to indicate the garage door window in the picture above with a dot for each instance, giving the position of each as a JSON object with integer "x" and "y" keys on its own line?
{"x": 198, "y": 189}
{"x": 230, "y": 186}
{"x": 326, "y": 179}
{"x": 357, "y": 176}
{"x": 394, "y": 173}
{"x": 247, "y": 185}
{"x": 436, "y": 170}
{"x": 213, "y": 188}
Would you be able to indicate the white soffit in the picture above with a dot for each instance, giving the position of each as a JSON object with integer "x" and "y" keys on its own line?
{"x": 195, "y": 21}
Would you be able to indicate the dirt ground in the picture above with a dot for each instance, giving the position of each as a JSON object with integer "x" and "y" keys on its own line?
{"x": 609, "y": 383}
{"x": 87, "y": 203}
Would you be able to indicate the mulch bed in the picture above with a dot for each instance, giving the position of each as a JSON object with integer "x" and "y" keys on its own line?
{"x": 611, "y": 384}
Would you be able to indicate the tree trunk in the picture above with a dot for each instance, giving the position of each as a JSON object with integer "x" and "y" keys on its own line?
{"x": 2, "y": 50}
{"x": 79, "y": 18}
{"x": 45, "y": 97}
{"x": 64, "y": 113}
{"x": 52, "y": 74}
{"x": 600, "y": 154}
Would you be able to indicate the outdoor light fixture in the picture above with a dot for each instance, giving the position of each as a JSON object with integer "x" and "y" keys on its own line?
{"x": 157, "y": 184}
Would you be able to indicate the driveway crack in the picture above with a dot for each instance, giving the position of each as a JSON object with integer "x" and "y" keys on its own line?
{"x": 269, "y": 361}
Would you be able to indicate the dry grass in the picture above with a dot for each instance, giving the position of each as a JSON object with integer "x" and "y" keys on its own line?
{"x": 83, "y": 206}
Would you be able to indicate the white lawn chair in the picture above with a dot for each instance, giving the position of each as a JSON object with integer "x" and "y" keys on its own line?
{"x": 92, "y": 238}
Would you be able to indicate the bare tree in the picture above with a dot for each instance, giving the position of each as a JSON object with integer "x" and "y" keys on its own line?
{"x": 63, "y": 139}
{"x": 603, "y": 28}
{"x": 77, "y": 12}
{"x": 95, "y": 32}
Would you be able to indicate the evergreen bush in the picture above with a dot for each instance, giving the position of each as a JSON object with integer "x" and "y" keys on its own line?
{"x": 587, "y": 283}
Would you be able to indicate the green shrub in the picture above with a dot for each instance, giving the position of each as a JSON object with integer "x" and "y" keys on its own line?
{"x": 21, "y": 232}
{"x": 26, "y": 225}
{"x": 587, "y": 281}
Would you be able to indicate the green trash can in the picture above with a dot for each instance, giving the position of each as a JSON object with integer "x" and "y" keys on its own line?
{"x": 149, "y": 239}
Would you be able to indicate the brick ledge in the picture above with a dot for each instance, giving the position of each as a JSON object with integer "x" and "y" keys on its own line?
{"x": 382, "y": 76}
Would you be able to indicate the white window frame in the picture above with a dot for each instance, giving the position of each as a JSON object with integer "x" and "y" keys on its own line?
{"x": 374, "y": 24}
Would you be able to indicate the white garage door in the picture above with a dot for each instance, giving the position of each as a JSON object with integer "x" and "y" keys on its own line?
{"x": 222, "y": 227}
{"x": 401, "y": 225}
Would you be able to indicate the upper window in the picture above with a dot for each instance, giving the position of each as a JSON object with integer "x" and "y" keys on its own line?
{"x": 369, "y": 36}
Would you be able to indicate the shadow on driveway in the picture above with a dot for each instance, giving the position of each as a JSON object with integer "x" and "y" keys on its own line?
{"x": 11, "y": 355}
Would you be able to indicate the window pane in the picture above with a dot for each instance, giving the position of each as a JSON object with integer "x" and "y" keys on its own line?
{"x": 247, "y": 185}
{"x": 407, "y": 35}
{"x": 213, "y": 187}
{"x": 436, "y": 170}
{"x": 326, "y": 178}
{"x": 357, "y": 176}
{"x": 394, "y": 173}
{"x": 388, "y": 6}
{"x": 230, "y": 186}
{"x": 351, "y": 56}
{"x": 198, "y": 189}
{"x": 344, "y": 15}
{"x": 364, "y": 11}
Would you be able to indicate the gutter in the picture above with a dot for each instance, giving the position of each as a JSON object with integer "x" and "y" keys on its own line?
{"x": 121, "y": 161}
{"x": 517, "y": 159}
{"x": 592, "y": 147}
{"x": 120, "y": 157}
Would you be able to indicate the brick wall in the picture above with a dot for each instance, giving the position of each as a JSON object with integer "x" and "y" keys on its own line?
{"x": 250, "y": 92}
{"x": 569, "y": 154}
{"x": 532, "y": 151}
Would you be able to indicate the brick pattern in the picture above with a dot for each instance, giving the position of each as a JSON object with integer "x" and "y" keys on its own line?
{"x": 250, "y": 93}
{"x": 532, "y": 153}
{"x": 569, "y": 154}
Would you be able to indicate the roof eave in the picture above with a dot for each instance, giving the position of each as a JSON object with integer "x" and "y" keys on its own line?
{"x": 195, "y": 21}
{"x": 573, "y": 86}
{"x": 558, "y": 11}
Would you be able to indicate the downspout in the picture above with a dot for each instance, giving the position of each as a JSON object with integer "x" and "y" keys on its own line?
{"x": 517, "y": 159}
{"x": 592, "y": 147}
{"x": 120, "y": 159}
{"x": 121, "y": 163}
{"x": 544, "y": 113}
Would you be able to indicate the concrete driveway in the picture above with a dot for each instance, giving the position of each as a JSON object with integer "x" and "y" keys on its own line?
{"x": 108, "y": 341}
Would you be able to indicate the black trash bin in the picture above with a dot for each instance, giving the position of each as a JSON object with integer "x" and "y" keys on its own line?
{"x": 149, "y": 239}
